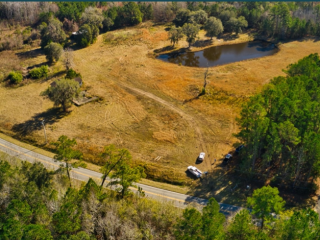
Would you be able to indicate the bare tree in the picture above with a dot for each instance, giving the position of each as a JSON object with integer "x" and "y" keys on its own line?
{"x": 68, "y": 58}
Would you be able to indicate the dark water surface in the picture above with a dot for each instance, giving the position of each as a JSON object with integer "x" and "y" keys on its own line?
{"x": 223, "y": 54}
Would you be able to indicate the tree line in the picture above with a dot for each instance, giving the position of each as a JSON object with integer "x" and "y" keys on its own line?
{"x": 280, "y": 127}
{"x": 53, "y": 22}
{"x": 39, "y": 204}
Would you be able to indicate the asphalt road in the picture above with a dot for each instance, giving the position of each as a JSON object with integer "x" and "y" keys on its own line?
{"x": 82, "y": 174}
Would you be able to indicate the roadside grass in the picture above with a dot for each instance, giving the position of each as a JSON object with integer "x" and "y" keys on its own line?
{"x": 154, "y": 134}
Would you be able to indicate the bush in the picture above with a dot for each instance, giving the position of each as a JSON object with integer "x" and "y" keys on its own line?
{"x": 53, "y": 52}
{"x": 15, "y": 77}
{"x": 39, "y": 72}
{"x": 71, "y": 74}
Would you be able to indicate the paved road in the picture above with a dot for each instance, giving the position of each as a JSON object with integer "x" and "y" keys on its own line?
{"x": 82, "y": 174}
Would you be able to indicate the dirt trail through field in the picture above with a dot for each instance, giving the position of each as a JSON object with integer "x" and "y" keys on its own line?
{"x": 190, "y": 119}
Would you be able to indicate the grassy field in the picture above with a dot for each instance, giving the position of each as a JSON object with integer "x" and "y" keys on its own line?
{"x": 156, "y": 134}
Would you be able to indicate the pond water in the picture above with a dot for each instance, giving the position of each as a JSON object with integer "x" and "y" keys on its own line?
{"x": 219, "y": 55}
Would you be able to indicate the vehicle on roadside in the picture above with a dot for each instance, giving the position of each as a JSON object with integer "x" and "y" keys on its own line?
{"x": 201, "y": 156}
{"x": 195, "y": 171}
{"x": 238, "y": 149}
{"x": 227, "y": 158}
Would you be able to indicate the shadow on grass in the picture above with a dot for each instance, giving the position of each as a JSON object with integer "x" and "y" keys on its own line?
{"x": 228, "y": 37}
{"x": 31, "y": 53}
{"x": 202, "y": 43}
{"x": 164, "y": 49}
{"x": 57, "y": 74}
{"x": 51, "y": 116}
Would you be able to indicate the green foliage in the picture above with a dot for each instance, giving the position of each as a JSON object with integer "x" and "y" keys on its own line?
{"x": 93, "y": 17}
{"x": 182, "y": 17}
{"x": 52, "y": 32}
{"x": 237, "y": 24}
{"x": 67, "y": 221}
{"x": 87, "y": 35}
{"x": 213, "y": 27}
{"x": 265, "y": 201}
{"x": 66, "y": 153}
{"x": 175, "y": 34}
{"x": 62, "y": 93}
{"x": 53, "y": 52}
{"x": 146, "y": 10}
{"x": 190, "y": 226}
{"x": 198, "y": 17}
{"x": 72, "y": 10}
{"x": 39, "y": 72}
{"x": 278, "y": 125}
{"x": 241, "y": 227}
{"x": 191, "y": 31}
{"x": 128, "y": 15}
{"x": 15, "y": 77}
{"x": 71, "y": 74}
{"x": 113, "y": 159}
{"x": 212, "y": 221}
{"x": 35, "y": 231}
{"x": 303, "y": 224}
{"x": 125, "y": 176}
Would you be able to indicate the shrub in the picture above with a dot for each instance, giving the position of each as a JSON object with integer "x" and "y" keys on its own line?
{"x": 53, "y": 52}
{"x": 15, "y": 77}
{"x": 39, "y": 72}
{"x": 71, "y": 74}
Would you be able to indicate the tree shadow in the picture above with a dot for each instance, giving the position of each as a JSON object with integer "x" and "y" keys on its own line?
{"x": 203, "y": 43}
{"x": 228, "y": 37}
{"x": 34, "y": 124}
{"x": 31, "y": 53}
{"x": 164, "y": 49}
{"x": 57, "y": 74}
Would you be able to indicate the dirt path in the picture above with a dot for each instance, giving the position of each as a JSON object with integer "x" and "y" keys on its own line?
{"x": 193, "y": 123}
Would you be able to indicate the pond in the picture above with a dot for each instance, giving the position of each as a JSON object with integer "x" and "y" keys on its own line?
{"x": 219, "y": 55}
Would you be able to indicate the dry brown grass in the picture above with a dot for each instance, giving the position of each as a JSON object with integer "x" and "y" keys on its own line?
{"x": 147, "y": 128}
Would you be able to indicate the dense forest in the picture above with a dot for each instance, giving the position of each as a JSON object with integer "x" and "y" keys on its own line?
{"x": 54, "y": 22}
{"x": 37, "y": 204}
{"x": 280, "y": 127}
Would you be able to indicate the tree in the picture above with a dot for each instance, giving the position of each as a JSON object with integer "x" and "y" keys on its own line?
{"x": 128, "y": 15}
{"x": 87, "y": 35}
{"x": 53, "y": 52}
{"x": 62, "y": 92}
{"x": 190, "y": 226}
{"x": 213, "y": 27}
{"x": 237, "y": 24}
{"x": 68, "y": 58}
{"x": 125, "y": 176}
{"x": 175, "y": 34}
{"x": 303, "y": 224}
{"x": 198, "y": 17}
{"x": 191, "y": 32}
{"x": 35, "y": 231}
{"x": 182, "y": 17}
{"x": 92, "y": 16}
{"x": 52, "y": 32}
{"x": 212, "y": 221}
{"x": 113, "y": 159}
{"x": 241, "y": 227}
{"x": 66, "y": 153}
{"x": 265, "y": 201}
{"x": 68, "y": 219}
